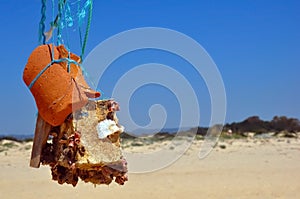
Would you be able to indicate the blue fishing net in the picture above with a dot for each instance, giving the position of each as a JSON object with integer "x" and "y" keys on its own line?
{"x": 63, "y": 21}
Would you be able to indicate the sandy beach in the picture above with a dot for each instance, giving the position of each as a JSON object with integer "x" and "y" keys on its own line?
{"x": 241, "y": 168}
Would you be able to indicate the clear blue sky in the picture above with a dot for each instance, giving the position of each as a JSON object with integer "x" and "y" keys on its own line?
{"x": 255, "y": 44}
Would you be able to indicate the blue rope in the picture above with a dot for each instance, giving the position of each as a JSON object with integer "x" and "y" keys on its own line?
{"x": 49, "y": 65}
{"x": 90, "y": 4}
{"x": 59, "y": 27}
{"x": 42, "y": 38}
{"x": 80, "y": 17}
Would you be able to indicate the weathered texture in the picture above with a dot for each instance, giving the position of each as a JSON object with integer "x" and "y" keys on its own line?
{"x": 99, "y": 150}
{"x": 77, "y": 152}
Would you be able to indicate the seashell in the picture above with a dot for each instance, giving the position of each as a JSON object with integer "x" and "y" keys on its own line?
{"x": 107, "y": 127}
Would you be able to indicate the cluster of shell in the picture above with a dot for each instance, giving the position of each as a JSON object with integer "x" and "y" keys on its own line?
{"x": 87, "y": 146}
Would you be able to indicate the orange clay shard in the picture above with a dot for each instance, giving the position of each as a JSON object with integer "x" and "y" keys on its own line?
{"x": 57, "y": 92}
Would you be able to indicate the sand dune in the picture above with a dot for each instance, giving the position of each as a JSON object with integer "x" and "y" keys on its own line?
{"x": 253, "y": 168}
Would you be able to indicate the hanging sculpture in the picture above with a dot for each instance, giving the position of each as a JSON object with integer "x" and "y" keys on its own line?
{"x": 76, "y": 135}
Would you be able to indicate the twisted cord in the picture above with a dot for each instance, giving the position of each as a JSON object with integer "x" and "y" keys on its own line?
{"x": 42, "y": 38}
{"x": 87, "y": 29}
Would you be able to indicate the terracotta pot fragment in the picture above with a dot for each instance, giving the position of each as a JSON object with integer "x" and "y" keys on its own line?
{"x": 57, "y": 92}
